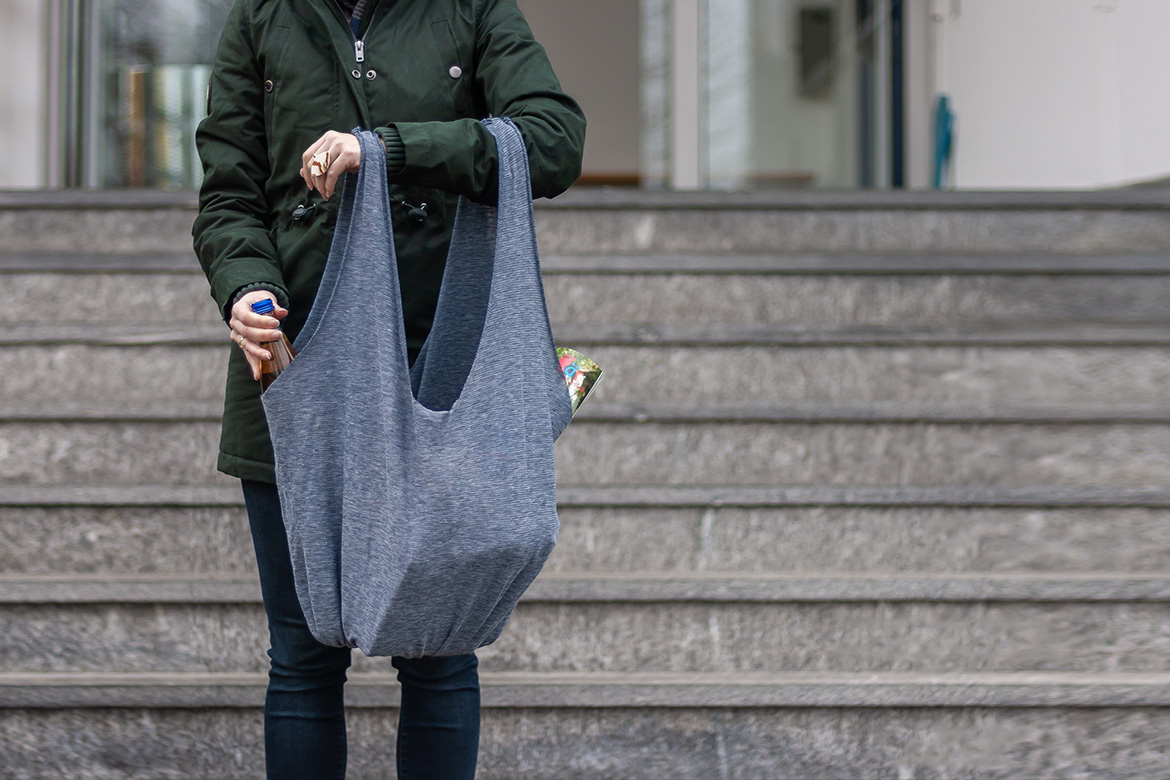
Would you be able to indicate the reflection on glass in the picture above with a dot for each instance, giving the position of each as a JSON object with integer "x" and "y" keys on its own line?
{"x": 781, "y": 83}
{"x": 145, "y": 81}
{"x": 793, "y": 93}
{"x": 778, "y": 93}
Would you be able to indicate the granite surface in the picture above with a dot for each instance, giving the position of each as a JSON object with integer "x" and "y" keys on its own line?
{"x": 594, "y": 452}
{"x": 125, "y": 539}
{"x": 149, "y": 539}
{"x": 845, "y": 230}
{"x": 701, "y": 227}
{"x": 41, "y": 376}
{"x": 665, "y": 635}
{"x": 626, "y": 744}
{"x": 88, "y": 299}
{"x": 82, "y": 229}
{"x": 862, "y": 539}
{"x": 45, "y": 376}
{"x": 680, "y": 298}
{"x": 690, "y": 725}
{"x": 865, "y": 453}
{"x": 911, "y": 374}
{"x": 954, "y": 301}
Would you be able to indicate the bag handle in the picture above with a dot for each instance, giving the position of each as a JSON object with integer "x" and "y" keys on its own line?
{"x": 361, "y": 192}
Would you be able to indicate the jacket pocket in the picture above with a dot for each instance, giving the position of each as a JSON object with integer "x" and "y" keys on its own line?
{"x": 272, "y": 53}
{"x": 454, "y": 66}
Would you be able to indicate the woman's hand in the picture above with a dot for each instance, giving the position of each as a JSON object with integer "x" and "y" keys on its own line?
{"x": 344, "y": 154}
{"x": 250, "y": 330}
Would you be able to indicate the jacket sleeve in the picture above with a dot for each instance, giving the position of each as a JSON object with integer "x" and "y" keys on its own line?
{"x": 230, "y": 233}
{"x": 515, "y": 77}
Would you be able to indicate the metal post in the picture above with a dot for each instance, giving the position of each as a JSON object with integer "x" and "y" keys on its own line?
{"x": 686, "y": 90}
{"x": 881, "y": 94}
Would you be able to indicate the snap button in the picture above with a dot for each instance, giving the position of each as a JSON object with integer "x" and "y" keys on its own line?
{"x": 357, "y": 74}
{"x": 455, "y": 72}
{"x": 268, "y": 85}
{"x": 371, "y": 74}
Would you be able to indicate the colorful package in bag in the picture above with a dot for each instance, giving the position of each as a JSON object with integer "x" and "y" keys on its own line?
{"x": 420, "y": 502}
{"x": 581, "y": 375}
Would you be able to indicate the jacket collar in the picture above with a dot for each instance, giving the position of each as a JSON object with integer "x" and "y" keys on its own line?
{"x": 328, "y": 20}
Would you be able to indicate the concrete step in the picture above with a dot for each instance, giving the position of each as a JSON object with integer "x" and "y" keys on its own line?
{"x": 639, "y": 622}
{"x": 601, "y": 221}
{"x": 111, "y": 366}
{"x": 820, "y": 291}
{"x": 146, "y": 529}
{"x": 867, "y": 444}
{"x": 649, "y": 334}
{"x": 607, "y": 690}
{"x": 53, "y": 374}
{"x": 816, "y": 726}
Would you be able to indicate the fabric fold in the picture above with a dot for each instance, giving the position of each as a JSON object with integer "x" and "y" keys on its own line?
{"x": 420, "y": 501}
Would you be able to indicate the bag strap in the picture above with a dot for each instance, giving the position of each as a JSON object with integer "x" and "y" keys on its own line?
{"x": 363, "y": 224}
{"x": 491, "y": 298}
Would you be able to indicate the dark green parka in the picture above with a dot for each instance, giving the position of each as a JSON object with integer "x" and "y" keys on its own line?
{"x": 285, "y": 72}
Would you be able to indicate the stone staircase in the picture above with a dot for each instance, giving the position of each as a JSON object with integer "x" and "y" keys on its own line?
{"x": 874, "y": 488}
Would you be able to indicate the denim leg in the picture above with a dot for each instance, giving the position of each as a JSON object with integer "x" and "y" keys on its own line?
{"x": 304, "y": 714}
{"x": 438, "y": 724}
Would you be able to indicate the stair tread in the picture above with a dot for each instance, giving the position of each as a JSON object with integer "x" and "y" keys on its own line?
{"x": 702, "y": 412}
{"x": 639, "y": 587}
{"x": 588, "y": 198}
{"x": 632, "y": 263}
{"x": 639, "y": 496}
{"x": 638, "y": 199}
{"x": 619, "y": 689}
{"x": 649, "y": 334}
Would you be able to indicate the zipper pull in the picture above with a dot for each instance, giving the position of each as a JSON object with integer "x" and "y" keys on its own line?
{"x": 359, "y": 51}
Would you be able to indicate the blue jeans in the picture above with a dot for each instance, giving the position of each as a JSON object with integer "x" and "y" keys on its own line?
{"x": 304, "y": 713}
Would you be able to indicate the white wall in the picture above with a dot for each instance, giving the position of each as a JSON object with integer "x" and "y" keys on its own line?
{"x": 593, "y": 47}
{"x": 23, "y": 90}
{"x": 1055, "y": 93}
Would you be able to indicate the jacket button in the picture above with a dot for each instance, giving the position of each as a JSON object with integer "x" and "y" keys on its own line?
{"x": 455, "y": 72}
{"x": 371, "y": 74}
{"x": 268, "y": 85}
{"x": 357, "y": 74}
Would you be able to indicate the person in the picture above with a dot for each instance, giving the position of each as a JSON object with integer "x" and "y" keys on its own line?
{"x": 289, "y": 81}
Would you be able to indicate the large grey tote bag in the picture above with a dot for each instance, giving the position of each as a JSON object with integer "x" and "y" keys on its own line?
{"x": 420, "y": 502}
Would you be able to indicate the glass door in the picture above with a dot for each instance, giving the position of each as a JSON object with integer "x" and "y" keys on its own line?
{"x": 130, "y": 80}
{"x": 693, "y": 94}
{"x": 758, "y": 94}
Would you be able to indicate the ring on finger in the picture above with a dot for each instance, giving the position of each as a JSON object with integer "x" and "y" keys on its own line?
{"x": 240, "y": 341}
{"x": 319, "y": 164}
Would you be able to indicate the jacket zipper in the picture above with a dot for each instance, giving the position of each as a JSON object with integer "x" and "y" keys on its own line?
{"x": 359, "y": 44}
{"x": 359, "y": 53}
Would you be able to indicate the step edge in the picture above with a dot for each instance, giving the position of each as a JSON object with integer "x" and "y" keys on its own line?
{"x": 649, "y": 335}
{"x": 641, "y": 496}
{"x": 642, "y": 588}
{"x": 670, "y": 263}
{"x": 561, "y": 690}
{"x": 582, "y": 198}
{"x": 877, "y": 412}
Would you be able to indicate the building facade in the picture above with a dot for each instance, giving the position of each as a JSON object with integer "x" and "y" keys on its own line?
{"x": 684, "y": 94}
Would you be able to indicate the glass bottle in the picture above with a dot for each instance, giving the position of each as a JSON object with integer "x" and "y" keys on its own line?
{"x": 281, "y": 351}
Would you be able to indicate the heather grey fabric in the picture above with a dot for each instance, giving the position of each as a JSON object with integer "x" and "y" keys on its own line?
{"x": 420, "y": 503}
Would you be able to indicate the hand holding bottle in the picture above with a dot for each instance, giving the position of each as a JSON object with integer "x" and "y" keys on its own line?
{"x": 251, "y": 331}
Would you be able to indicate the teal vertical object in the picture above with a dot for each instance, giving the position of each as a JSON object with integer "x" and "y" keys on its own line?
{"x": 944, "y": 137}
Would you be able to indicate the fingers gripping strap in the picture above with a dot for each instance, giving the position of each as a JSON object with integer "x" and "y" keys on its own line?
{"x": 359, "y": 190}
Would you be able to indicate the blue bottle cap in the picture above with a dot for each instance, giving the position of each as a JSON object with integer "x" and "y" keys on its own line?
{"x": 263, "y": 307}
